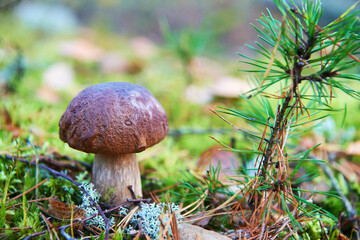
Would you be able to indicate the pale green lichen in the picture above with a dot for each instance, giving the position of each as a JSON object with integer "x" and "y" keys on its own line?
{"x": 148, "y": 217}
{"x": 98, "y": 220}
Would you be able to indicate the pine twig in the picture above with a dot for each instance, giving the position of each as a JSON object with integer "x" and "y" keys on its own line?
{"x": 47, "y": 222}
{"x": 274, "y": 137}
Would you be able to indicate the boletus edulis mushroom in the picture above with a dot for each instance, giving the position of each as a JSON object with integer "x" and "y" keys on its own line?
{"x": 114, "y": 121}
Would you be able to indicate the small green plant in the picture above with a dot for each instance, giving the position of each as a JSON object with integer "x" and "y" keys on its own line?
{"x": 300, "y": 69}
{"x": 206, "y": 188}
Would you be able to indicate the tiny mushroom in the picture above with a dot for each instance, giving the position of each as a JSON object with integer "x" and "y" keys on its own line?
{"x": 114, "y": 121}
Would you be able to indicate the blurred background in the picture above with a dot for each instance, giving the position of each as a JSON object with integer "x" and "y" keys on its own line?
{"x": 184, "y": 52}
{"x": 225, "y": 21}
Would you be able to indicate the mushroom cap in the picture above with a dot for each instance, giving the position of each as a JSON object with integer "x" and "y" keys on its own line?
{"x": 113, "y": 118}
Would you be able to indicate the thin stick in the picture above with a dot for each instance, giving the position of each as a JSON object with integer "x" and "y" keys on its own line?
{"x": 27, "y": 191}
{"x": 47, "y": 225}
{"x": 30, "y": 201}
{"x": 225, "y": 203}
{"x": 197, "y": 203}
{"x": 166, "y": 188}
{"x": 15, "y": 228}
{"x": 245, "y": 132}
{"x": 206, "y": 216}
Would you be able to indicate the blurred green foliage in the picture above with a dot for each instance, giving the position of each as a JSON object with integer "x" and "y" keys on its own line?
{"x": 37, "y": 118}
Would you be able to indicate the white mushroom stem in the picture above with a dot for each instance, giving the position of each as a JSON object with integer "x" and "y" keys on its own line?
{"x": 117, "y": 172}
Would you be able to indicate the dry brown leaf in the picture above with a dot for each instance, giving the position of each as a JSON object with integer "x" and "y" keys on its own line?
{"x": 113, "y": 62}
{"x": 63, "y": 211}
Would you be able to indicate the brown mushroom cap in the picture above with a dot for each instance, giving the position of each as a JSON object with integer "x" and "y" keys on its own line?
{"x": 113, "y": 118}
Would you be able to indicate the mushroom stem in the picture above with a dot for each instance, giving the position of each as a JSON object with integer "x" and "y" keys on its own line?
{"x": 117, "y": 172}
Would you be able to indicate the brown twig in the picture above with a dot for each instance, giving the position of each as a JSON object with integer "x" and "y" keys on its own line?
{"x": 27, "y": 191}
{"x": 15, "y": 228}
{"x": 241, "y": 130}
{"x": 47, "y": 222}
{"x": 30, "y": 201}
{"x": 274, "y": 137}
{"x": 166, "y": 188}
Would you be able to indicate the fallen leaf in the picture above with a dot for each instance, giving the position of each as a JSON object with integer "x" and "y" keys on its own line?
{"x": 63, "y": 211}
{"x": 341, "y": 236}
{"x": 113, "y": 63}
